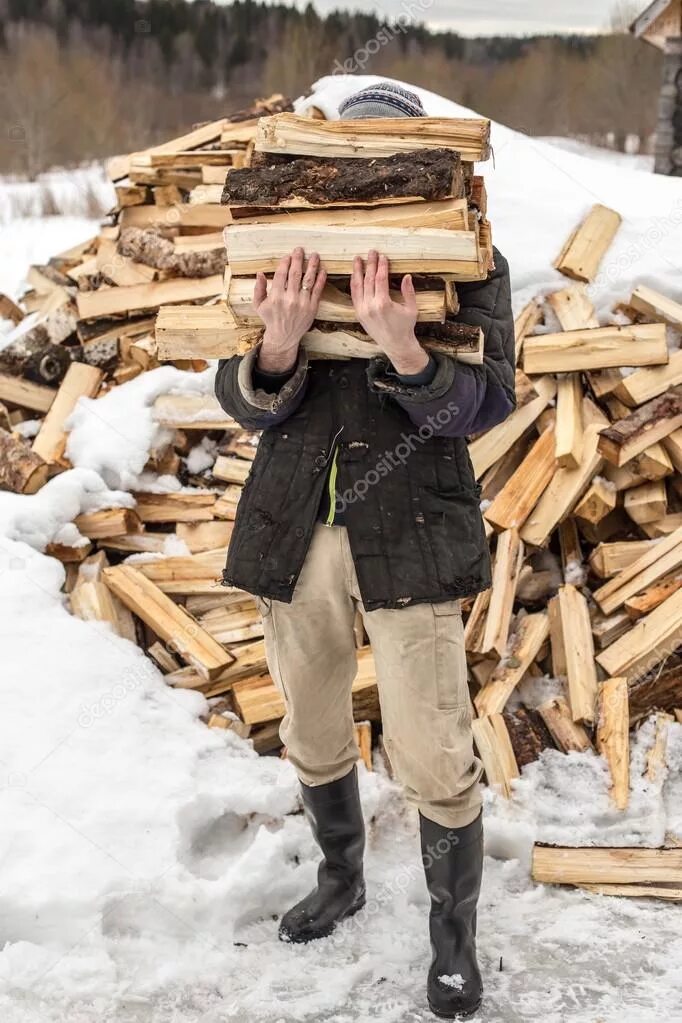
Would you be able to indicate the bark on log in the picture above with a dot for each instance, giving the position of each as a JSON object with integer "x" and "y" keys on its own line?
{"x": 35, "y": 358}
{"x": 21, "y": 470}
{"x": 152, "y": 249}
{"x": 430, "y": 174}
{"x": 528, "y": 735}
{"x": 658, "y": 690}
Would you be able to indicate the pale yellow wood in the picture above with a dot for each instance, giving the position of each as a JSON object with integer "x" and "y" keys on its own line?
{"x": 142, "y": 297}
{"x": 569, "y": 736}
{"x": 553, "y": 865}
{"x": 569, "y": 421}
{"x": 495, "y": 750}
{"x": 169, "y": 621}
{"x": 634, "y": 891}
{"x": 613, "y": 737}
{"x": 119, "y": 166}
{"x": 599, "y": 501}
{"x": 530, "y": 633}
{"x": 652, "y": 303}
{"x": 107, "y": 522}
{"x": 654, "y": 561}
{"x": 80, "y": 381}
{"x": 252, "y": 248}
{"x": 231, "y": 469}
{"x": 647, "y": 643}
{"x": 525, "y": 323}
{"x": 204, "y": 536}
{"x": 673, "y": 447}
{"x": 656, "y": 761}
{"x": 93, "y": 601}
{"x": 122, "y": 271}
{"x": 294, "y": 135}
{"x": 600, "y": 348}
{"x": 26, "y": 394}
{"x": 233, "y": 624}
{"x": 486, "y": 450}
{"x": 608, "y": 559}
{"x": 645, "y": 384}
{"x": 516, "y": 500}
{"x": 646, "y": 503}
{"x": 175, "y": 507}
{"x": 581, "y": 671}
{"x": 586, "y": 247}
{"x": 207, "y": 216}
{"x": 573, "y": 308}
{"x": 450, "y": 214}
{"x": 185, "y": 574}
{"x": 363, "y": 738}
{"x": 507, "y": 566}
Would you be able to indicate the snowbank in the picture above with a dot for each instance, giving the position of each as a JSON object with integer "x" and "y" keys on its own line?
{"x": 144, "y": 856}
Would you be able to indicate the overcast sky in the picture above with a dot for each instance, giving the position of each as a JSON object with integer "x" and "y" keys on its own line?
{"x": 492, "y": 17}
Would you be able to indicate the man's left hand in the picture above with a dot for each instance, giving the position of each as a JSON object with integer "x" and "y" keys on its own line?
{"x": 391, "y": 324}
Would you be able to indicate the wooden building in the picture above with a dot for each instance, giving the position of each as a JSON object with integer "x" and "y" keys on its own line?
{"x": 661, "y": 25}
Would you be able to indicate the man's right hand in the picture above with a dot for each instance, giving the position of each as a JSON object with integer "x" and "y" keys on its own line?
{"x": 289, "y": 310}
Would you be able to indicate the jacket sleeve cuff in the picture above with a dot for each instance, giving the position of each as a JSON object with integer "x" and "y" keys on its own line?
{"x": 262, "y": 400}
{"x": 384, "y": 380}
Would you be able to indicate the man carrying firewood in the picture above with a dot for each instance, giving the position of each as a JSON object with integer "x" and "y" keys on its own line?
{"x": 362, "y": 497}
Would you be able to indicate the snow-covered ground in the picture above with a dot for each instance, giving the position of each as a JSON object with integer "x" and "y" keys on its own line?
{"x": 144, "y": 859}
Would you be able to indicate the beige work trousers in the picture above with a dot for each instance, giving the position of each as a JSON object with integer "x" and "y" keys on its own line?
{"x": 421, "y": 675}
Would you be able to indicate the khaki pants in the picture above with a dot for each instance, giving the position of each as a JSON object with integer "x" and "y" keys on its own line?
{"x": 421, "y": 675}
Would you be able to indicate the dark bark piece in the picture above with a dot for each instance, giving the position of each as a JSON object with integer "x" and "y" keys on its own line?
{"x": 149, "y": 247}
{"x": 21, "y": 470}
{"x": 528, "y": 735}
{"x": 35, "y": 358}
{"x": 615, "y": 438}
{"x": 276, "y": 104}
{"x": 658, "y": 690}
{"x": 429, "y": 174}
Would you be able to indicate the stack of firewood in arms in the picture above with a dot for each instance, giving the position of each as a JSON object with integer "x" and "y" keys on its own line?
{"x": 581, "y": 486}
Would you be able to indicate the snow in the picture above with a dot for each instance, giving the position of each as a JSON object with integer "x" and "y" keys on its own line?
{"x": 145, "y": 857}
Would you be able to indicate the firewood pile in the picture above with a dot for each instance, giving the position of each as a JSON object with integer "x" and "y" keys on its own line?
{"x": 581, "y": 486}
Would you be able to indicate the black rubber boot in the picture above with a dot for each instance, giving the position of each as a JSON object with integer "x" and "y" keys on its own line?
{"x": 453, "y": 863}
{"x": 335, "y": 816}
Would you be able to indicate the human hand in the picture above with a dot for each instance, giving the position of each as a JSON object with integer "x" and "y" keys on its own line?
{"x": 391, "y": 324}
{"x": 288, "y": 310}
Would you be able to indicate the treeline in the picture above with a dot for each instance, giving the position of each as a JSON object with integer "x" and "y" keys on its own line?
{"x": 82, "y": 79}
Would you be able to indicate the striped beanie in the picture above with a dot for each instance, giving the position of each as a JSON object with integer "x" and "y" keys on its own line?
{"x": 386, "y": 99}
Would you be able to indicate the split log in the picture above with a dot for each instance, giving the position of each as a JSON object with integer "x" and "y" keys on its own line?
{"x": 9, "y": 310}
{"x": 656, "y": 761}
{"x": 175, "y": 507}
{"x": 646, "y": 503}
{"x": 108, "y": 522}
{"x": 451, "y": 214}
{"x": 432, "y": 174}
{"x": 613, "y": 737}
{"x": 22, "y": 471}
{"x": 573, "y": 308}
{"x": 553, "y": 865}
{"x": 598, "y": 502}
{"x": 495, "y": 750}
{"x": 528, "y": 735}
{"x": 25, "y": 394}
{"x": 93, "y": 305}
{"x": 80, "y": 381}
{"x": 377, "y": 137}
{"x": 517, "y": 498}
{"x": 492, "y": 445}
{"x": 569, "y": 421}
{"x": 643, "y": 603}
{"x": 654, "y": 561}
{"x": 531, "y": 633}
{"x": 191, "y": 412}
{"x": 204, "y": 536}
{"x": 569, "y": 736}
{"x": 186, "y": 216}
{"x": 647, "y": 425}
{"x": 525, "y": 323}
{"x": 186, "y": 574}
{"x": 598, "y": 348}
{"x": 93, "y": 601}
{"x": 410, "y": 250}
{"x": 647, "y": 643}
{"x": 581, "y": 672}
{"x": 608, "y": 559}
{"x": 508, "y": 563}
{"x": 651, "y": 303}
{"x": 230, "y": 469}
{"x": 659, "y": 689}
{"x": 169, "y": 621}
{"x": 585, "y": 248}
{"x": 645, "y": 384}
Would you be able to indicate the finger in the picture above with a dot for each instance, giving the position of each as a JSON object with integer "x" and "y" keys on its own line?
{"x": 371, "y": 273}
{"x": 260, "y": 292}
{"x": 318, "y": 288}
{"x": 381, "y": 284}
{"x": 357, "y": 280}
{"x": 408, "y": 292}
{"x": 310, "y": 275}
{"x": 279, "y": 281}
{"x": 295, "y": 270}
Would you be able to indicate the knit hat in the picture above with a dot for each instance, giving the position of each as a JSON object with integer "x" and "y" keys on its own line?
{"x": 386, "y": 99}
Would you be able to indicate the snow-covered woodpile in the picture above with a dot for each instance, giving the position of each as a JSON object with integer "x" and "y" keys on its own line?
{"x": 581, "y": 486}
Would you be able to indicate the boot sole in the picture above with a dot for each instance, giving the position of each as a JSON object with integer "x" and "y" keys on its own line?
{"x": 351, "y": 911}
{"x": 456, "y": 1015}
